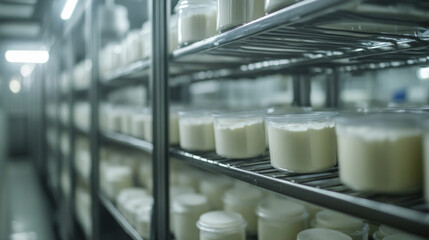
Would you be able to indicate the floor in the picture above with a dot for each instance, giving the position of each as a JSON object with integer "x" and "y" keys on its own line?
{"x": 29, "y": 207}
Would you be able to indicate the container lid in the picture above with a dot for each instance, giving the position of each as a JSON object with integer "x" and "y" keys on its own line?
{"x": 189, "y": 202}
{"x": 145, "y": 206}
{"x": 303, "y": 117}
{"x": 287, "y": 110}
{"x": 403, "y": 237}
{"x": 322, "y": 234}
{"x": 380, "y": 120}
{"x": 128, "y": 193}
{"x": 240, "y": 114}
{"x": 178, "y": 190}
{"x": 280, "y": 209}
{"x": 132, "y": 205}
{"x": 338, "y": 221}
{"x": 241, "y": 195}
{"x": 221, "y": 221}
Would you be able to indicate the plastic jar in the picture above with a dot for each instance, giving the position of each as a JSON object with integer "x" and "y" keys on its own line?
{"x": 221, "y": 225}
{"x": 196, "y": 131}
{"x": 280, "y": 219}
{"x": 173, "y": 43}
{"x": 426, "y": 162}
{"x": 303, "y": 142}
{"x": 197, "y": 20}
{"x": 231, "y": 13}
{"x": 187, "y": 209}
{"x": 142, "y": 218}
{"x": 213, "y": 187}
{"x": 239, "y": 135}
{"x": 117, "y": 178}
{"x": 255, "y": 9}
{"x": 134, "y": 47}
{"x": 244, "y": 200}
{"x": 127, "y": 194}
{"x": 146, "y": 40}
{"x": 322, "y": 234}
{"x": 351, "y": 226}
{"x": 380, "y": 152}
{"x": 274, "y": 5}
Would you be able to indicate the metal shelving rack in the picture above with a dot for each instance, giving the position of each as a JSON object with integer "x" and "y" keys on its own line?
{"x": 288, "y": 41}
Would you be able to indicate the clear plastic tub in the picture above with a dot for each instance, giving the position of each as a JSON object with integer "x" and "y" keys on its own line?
{"x": 213, "y": 187}
{"x": 274, "y": 5}
{"x": 173, "y": 43}
{"x": 280, "y": 219}
{"x": 351, "y": 226}
{"x": 321, "y": 233}
{"x": 197, "y": 20}
{"x": 221, "y": 225}
{"x": 142, "y": 217}
{"x": 127, "y": 194}
{"x": 196, "y": 131}
{"x": 231, "y": 13}
{"x": 255, "y": 9}
{"x": 303, "y": 142}
{"x": 186, "y": 210}
{"x": 244, "y": 200}
{"x": 240, "y": 135}
{"x": 380, "y": 152}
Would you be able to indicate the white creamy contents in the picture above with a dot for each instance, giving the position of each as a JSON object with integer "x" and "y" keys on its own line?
{"x": 117, "y": 178}
{"x": 142, "y": 217}
{"x": 127, "y": 194}
{"x": 280, "y": 219}
{"x": 244, "y": 200}
{"x": 426, "y": 166}
{"x": 255, "y": 9}
{"x": 134, "y": 46}
{"x": 302, "y": 148}
{"x": 231, "y": 13}
{"x": 240, "y": 138}
{"x": 196, "y": 24}
{"x": 187, "y": 209}
{"x": 322, "y": 234}
{"x": 137, "y": 126}
{"x": 351, "y": 226}
{"x": 220, "y": 225}
{"x": 214, "y": 188}
{"x": 197, "y": 134}
{"x": 274, "y": 5}
{"x": 380, "y": 159}
{"x": 126, "y": 122}
{"x": 114, "y": 120}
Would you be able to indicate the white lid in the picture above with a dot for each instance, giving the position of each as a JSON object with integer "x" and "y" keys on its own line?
{"x": 403, "y": 237}
{"x": 132, "y": 205}
{"x": 322, "y": 234}
{"x": 386, "y": 230}
{"x": 179, "y": 190}
{"x": 189, "y": 202}
{"x": 281, "y": 209}
{"x": 338, "y": 221}
{"x": 128, "y": 193}
{"x": 221, "y": 221}
{"x": 145, "y": 206}
{"x": 241, "y": 195}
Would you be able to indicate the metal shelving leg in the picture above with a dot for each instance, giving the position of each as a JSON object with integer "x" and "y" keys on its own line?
{"x": 332, "y": 90}
{"x": 301, "y": 90}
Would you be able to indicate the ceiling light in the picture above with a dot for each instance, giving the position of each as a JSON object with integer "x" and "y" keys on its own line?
{"x": 14, "y": 85}
{"x": 68, "y": 9}
{"x": 26, "y": 69}
{"x": 423, "y": 73}
{"x": 27, "y": 56}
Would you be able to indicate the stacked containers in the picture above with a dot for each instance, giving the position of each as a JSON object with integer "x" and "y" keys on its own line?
{"x": 221, "y": 225}
{"x": 351, "y": 226}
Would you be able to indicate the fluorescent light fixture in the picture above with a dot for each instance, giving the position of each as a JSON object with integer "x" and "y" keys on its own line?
{"x": 26, "y": 69}
{"x": 14, "y": 85}
{"x": 68, "y": 9}
{"x": 423, "y": 73}
{"x": 27, "y": 56}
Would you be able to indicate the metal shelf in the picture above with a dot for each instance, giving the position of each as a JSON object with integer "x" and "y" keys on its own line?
{"x": 120, "y": 219}
{"x": 125, "y": 140}
{"x": 135, "y": 71}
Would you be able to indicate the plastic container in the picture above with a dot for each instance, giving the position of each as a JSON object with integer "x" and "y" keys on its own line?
{"x": 186, "y": 210}
{"x": 384, "y": 231}
{"x": 255, "y": 9}
{"x": 196, "y": 131}
{"x": 280, "y": 219}
{"x": 117, "y": 178}
{"x": 426, "y": 162}
{"x": 197, "y": 20}
{"x": 240, "y": 135}
{"x": 221, "y": 225}
{"x": 380, "y": 152}
{"x": 244, "y": 200}
{"x": 134, "y": 47}
{"x": 127, "y": 194}
{"x": 213, "y": 187}
{"x": 231, "y": 13}
{"x": 142, "y": 218}
{"x": 351, "y": 226}
{"x": 303, "y": 142}
{"x": 274, "y": 5}
{"x": 146, "y": 40}
{"x": 322, "y": 234}
{"x": 173, "y": 43}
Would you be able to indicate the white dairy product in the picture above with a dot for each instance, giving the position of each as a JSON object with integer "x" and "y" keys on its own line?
{"x": 213, "y": 187}
{"x": 126, "y": 121}
{"x": 137, "y": 125}
{"x": 244, "y": 200}
{"x": 174, "y": 192}
{"x": 172, "y": 40}
{"x": 280, "y": 219}
{"x": 134, "y": 207}
{"x": 173, "y": 128}
{"x": 403, "y": 237}
{"x": 426, "y": 163}
{"x": 351, "y": 226}
{"x": 114, "y": 120}
{"x": 189, "y": 178}
{"x": 380, "y": 153}
{"x": 127, "y": 194}
{"x": 302, "y": 142}
{"x": 141, "y": 217}
{"x": 231, "y": 13}
{"x": 322, "y": 234}
{"x": 274, "y": 5}
{"x": 146, "y": 40}
{"x": 117, "y": 178}
{"x": 255, "y": 9}
{"x": 238, "y": 136}
{"x": 196, "y": 131}
{"x": 134, "y": 47}
{"x": 197, "y": 20}
{"x": 221, "y": 225}
{"x": 187, "y": 209}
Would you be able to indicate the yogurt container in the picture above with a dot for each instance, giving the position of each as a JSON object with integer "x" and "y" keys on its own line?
{"x": 380, "y": 152}
{"x": 274, "y": 5}
{"x": 239, "y": 135}
{"x": 231, "y": 13}
{"x": 143, "y": 217}
{"x": 302, "y": 143}
{"x": 196, "y": 131}
{"x": 322, "y": 234}
{"x": 213, "y": 187}
{"x": 351, "y": 226}
{"x": 221, "y": 225}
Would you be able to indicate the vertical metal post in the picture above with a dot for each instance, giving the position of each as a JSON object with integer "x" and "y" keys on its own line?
{"x": 159, "y": 78}
{"x": 93, "y": 46}
{"x": 332, "y": 90}
{"x": 301, "y": 90}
